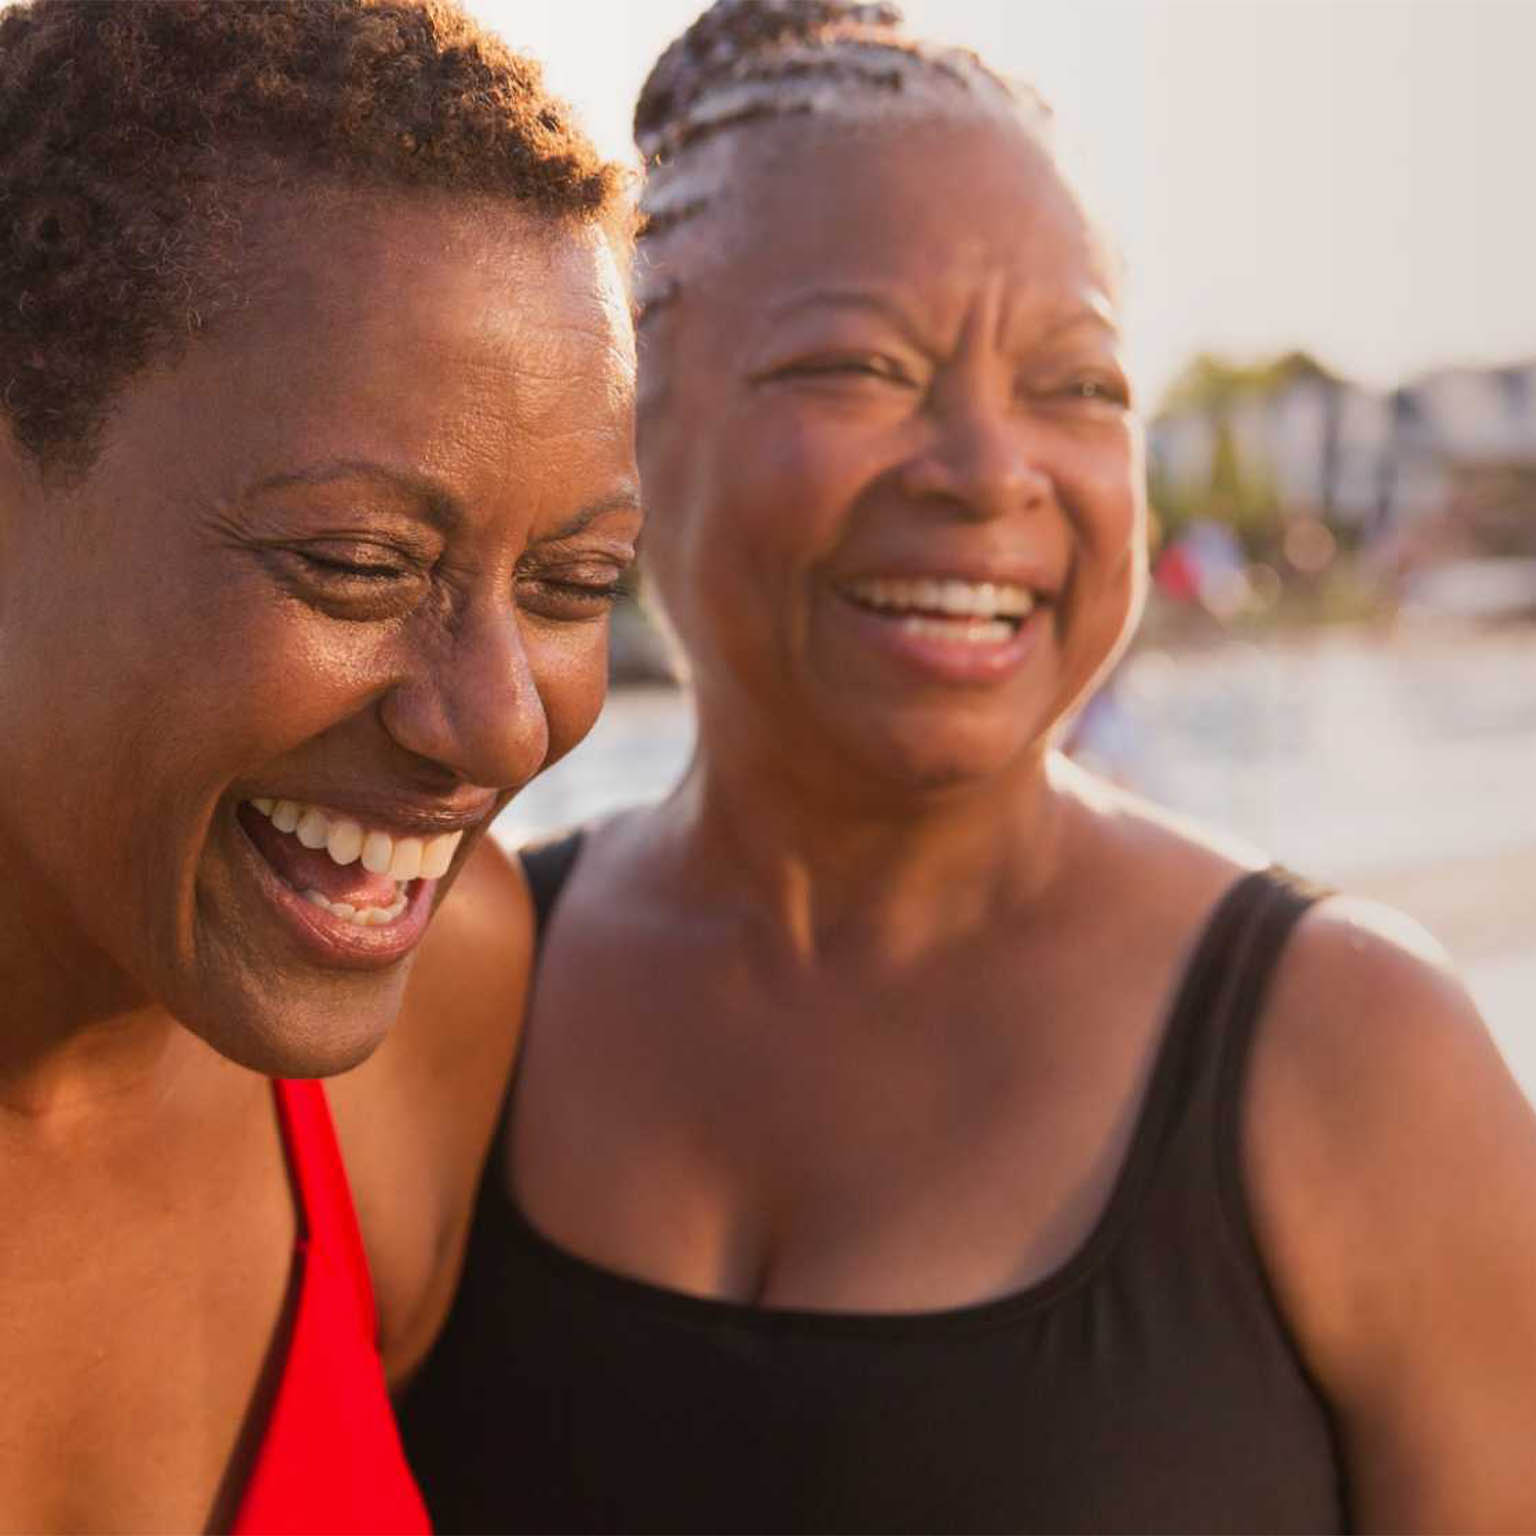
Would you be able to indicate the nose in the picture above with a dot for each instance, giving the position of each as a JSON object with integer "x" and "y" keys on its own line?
{"x": 978, "y": 460}
{"x": 469, "y": 703}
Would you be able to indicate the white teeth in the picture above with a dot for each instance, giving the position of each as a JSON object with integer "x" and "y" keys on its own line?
{"x": 406, "y": 861}
{"x": 360, "y": 917}
{"x": 974, "y": 632}
{"x": 378, "y": 850}
{"x": 438, "y": 855}
{"x": 961, "y": 599}
{"x": 313, "y": 829}
{"x": 345, "y": 840}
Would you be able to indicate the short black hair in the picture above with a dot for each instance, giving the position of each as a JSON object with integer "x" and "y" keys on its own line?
{"x": 130, "y": 129}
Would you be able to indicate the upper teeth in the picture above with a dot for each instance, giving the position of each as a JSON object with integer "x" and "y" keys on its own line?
{"x": 964, "y": 599}
{"x": 346, "y": 840}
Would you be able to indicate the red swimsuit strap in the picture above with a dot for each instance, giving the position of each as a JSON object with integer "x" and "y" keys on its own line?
{"x": 320, "y": 1179}
{"x": 330, "y": 1459}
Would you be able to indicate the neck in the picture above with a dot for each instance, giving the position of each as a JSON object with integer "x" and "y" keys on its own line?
{"x": 76, "y": 1031}
{"x": 839, "y": 869}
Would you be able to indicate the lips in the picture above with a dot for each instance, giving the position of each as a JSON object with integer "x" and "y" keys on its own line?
{"x": 351, "y": 892}
{"x": 953, "y": 629}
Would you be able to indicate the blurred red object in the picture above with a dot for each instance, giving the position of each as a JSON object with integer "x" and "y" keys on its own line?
{"x": 1177, "y": 575}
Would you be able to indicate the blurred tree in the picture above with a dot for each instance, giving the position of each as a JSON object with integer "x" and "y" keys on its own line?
{"x": 1241, "y": 490}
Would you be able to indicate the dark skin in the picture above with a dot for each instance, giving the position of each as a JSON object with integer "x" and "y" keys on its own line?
{"x": 349, "y": 550}
{"x": 861, "y": 1018}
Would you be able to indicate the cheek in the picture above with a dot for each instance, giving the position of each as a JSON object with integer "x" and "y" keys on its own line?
{"x": 285, "y": 680}
{"x": 1103, "y": 487}
{"x": 805, "y": 471}
{"x": 777, "y": 503}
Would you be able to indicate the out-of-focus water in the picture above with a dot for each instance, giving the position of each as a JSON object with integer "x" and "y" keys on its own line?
{"x": 1404, "y": 769}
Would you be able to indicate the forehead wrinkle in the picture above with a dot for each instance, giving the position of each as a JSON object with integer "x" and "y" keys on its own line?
{"x": 1089, "y": 309}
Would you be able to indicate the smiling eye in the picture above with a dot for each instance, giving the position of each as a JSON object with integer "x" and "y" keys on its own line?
{"x": 366, "y": 570}
{"x": 1085, "y": 390}
{"x": 572, "y": 593}
{"x": 1109, "y": 391}
{"x": 352, "y": 580}
{"x": 873, "y": 366}
{"x": 360, "y": 561}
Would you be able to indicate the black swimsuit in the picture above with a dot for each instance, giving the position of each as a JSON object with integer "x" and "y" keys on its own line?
{"x": 1149, "y": 1384}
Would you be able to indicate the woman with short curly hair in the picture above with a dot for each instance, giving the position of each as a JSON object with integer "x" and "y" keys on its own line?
{"x": 316, "y": 481}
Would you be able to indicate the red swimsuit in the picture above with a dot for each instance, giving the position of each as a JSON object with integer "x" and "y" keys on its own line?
{"x": 330, "y": 1461}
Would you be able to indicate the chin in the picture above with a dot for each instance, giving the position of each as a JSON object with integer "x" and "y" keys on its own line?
{"x": 940, "y": 752}
{"x": 325, "y": 1031}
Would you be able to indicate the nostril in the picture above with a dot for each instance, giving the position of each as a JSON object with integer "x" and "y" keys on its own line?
{"x": 985, "y": 486}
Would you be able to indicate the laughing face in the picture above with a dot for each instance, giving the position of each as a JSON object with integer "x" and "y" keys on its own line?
{"x": 335, "y": 586}
{"x": 888, "y": 435}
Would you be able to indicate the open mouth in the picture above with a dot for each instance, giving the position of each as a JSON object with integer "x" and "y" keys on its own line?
{"x": 979, "y": 613}
{"x": 360, "y": 877}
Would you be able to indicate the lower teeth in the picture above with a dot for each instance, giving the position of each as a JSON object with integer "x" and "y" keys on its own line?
{"x": 969, "y": 631}
{"x": 360, "y": 917}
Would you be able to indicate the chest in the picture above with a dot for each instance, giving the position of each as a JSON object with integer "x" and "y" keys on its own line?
{"x": 142, "y": 1331}
{"x": 938, "y": 1140}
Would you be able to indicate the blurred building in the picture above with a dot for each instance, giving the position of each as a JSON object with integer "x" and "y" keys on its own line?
{"x": 1442, "y": 467}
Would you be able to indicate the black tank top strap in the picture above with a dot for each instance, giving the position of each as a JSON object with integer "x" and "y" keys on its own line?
{"x": 1228, "y": 980}
{"x": 548, "y": 866}
{"x": 1226, "y": 983}
{"x": 1282, "y": 900}
{"x": 1279, "y": 901}
{"x": 1186, "y": 1137}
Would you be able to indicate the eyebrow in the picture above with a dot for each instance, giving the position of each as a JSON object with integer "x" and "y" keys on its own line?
{"x": 850, "y": 298}
{"x": 625, "y": 500}
{"x": 443, "y": 509}
{"x": 1095, "y": 310}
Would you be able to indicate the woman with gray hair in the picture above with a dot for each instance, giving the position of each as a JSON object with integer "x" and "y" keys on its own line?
{"x": 911, "y": 1132}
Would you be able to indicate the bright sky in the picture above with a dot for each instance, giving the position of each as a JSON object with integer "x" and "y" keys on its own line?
{"x": 1349, "y": 176}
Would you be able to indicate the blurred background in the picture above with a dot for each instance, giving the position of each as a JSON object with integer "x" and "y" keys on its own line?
{"x": 1326, "y": 214}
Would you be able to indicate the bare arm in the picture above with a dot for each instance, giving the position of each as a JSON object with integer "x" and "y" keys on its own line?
{"x": 1392, "y": 1172}
{"x": 415, "y": 1120}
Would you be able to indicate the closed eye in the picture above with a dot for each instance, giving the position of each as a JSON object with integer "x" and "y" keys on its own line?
{"x": 573, "y": 587}
{"x": 356, "y": 580}
{"x": 848, "y": 366}
{"x": 361, "y": 569}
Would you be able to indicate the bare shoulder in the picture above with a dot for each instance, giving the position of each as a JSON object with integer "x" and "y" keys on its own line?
{"x": 416, "y": 1120}
{"x": 1370, "y": 1040}
{"x": 1166, "y": 872}
{"x": 1390, "y": 1160}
